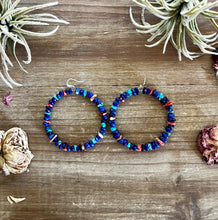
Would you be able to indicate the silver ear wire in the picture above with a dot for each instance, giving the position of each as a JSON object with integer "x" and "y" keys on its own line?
{"x": 141, "y": 86}
{"x": 72, "y": 86}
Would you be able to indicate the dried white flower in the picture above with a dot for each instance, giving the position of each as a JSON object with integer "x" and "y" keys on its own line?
{"x": 183, "y": 15}
{"x": 16, "y": 155}
{"x": 12, "y": 31}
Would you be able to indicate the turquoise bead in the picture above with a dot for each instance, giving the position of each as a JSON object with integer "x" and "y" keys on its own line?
{"x": 75, "y": 147}
{"x": 128, "y": 145}
{"x": 114, "y": 107}
{"x": 161, "y": 96}
{"x": 100, "y": 105}
{"x": 103, "y": 125}
{"x": 94, "y": 141}
{"x": 47, "y": 113}
{"x": 113, "y": 129}
{"x": 55, "y": 97}
{"x": 129, "y": 92}
{"x": 84, "y": 93}
{"x": 149, "y": 147}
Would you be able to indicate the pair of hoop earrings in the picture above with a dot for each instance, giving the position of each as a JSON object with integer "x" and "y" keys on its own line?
{"x": 159, "y": 141}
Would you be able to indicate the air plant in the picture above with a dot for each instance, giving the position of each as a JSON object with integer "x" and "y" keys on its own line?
{"x": 13, "y": 19}
{"x": 178, "y": 20}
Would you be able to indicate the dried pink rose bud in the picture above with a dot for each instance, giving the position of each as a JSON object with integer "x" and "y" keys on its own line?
{"x": 7, "y": 99}
{"x": 208, "y": 144}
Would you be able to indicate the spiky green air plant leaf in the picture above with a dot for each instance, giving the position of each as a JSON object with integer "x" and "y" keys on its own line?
{"x": 182, "y": 16}
{"x": 12, "y": 32}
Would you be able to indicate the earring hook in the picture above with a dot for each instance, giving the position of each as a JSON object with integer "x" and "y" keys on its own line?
{"x": 145, "y": 78}
{"x": 75, "y": 80}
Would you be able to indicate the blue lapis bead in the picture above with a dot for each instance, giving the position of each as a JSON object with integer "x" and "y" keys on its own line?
{"x": 154, "y": 92}
{"x": 101, "y": 109}
{"x": 105, "y": 117}
{"x": 51, "y": 136}
{"x": 168, "y": 129}
{"x": 171, "y": 115}
{"x": 61, "y": 93}
{"x": 77, "y": 90}
{"x": 169, "y": 107}
{"x": 133, "y": 92}
{"x": 67, "y": 91}
{"x": 45, "y": 123}
{"x": 103, "y": 128}
{"x": 171, "y": 119}
{"x": 163, "y": 139}
{"x": 47, "y": 128}
{"x": 131, "y": 146}
{"x": 55, "y": 140}
{"x": 51, "y": 102}
{"x": 48, "y": 108}
{"x": 115, "y": 103}
{"x": 112, "y": 114}
{"x": 143, "y": 147}
{"x": 99, "y": 103}
{"x": 122, "y": 96}
{"x": 68, "y": 148}
{"x": 137, "y": 91}
{"x": 87, "y": 146}
{"x": 113, "y": 124}
{"x": 153, "y": 145}
{"x": 116, "y": 135}
{"x": 49, "y": 133}
{"x": 58, "y": 96}
{"x": 95, "y": 100}
{"x": 91, "y": 144}
{"x": 165, "y": 100}
{"x": 89, "y": 94}
{"x": 157, "y": 94}
{"x": 102, "y": 132}
{"x": 81, "y": 92}
{"x": 134, "y": 147}
{"x": 78, "y": 148}
{"x": 170, "y": 110}
{"x": 125, "y": 142}
{"x": 157, "y": 143}
{"x": 97, "y": 138}
{"x": 165, "y": 135}
{"x": 113, "y": 111}
{"x": 118, "y": 100}
{"x": 60, "y": 146}
{"x": 46, "y": 117}
{"x": 70, "y": 91}
{"x": 120, "y": 141}
{"x": 56, "y": 143}
{"x": 126, "y": 95}
{"x": 64, "y": 145}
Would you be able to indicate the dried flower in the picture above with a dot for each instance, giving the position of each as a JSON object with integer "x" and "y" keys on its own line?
{"x": 208, "y": 144}
{"x": 183, "y": 14}
{"x": 12, "y": 23}
{"x": 7, "y": 99}
{"x": 16, "y": 155}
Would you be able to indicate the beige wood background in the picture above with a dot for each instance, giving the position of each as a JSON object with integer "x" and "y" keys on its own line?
{"x": 101, "y": 47}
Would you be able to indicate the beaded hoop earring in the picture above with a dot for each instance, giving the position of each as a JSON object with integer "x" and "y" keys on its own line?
{"x": 160, "y": 141}
{"x": 83, "y": 146}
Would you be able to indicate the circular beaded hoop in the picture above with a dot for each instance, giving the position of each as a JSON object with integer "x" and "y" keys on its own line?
{"x": 83, "y": 146}
{"x": 160, "y": 141}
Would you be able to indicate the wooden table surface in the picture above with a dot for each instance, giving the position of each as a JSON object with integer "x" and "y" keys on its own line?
{"x": 102, "y": 48}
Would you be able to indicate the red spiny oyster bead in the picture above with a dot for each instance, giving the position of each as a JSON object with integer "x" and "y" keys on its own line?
{"x": 208, "y": 144}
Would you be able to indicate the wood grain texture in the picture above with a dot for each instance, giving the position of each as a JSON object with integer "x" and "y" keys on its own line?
{"x": 101, "y": 47}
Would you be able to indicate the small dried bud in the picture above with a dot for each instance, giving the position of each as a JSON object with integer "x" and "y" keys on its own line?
{"x": 16, "y": 155}
{"x": 7, "y": 99}
{"x": 208, "y": 144}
